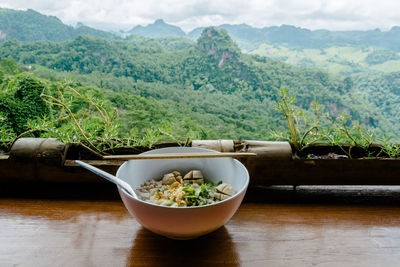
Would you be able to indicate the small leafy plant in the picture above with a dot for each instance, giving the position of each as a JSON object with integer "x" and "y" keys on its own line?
{"x": 304, "y": 127}
{"x": 6, "y": 134}
{"x": 391, "y": 149}
{"x": 346, "y": 131}
{"x": 94, "y": 127}
{"x": 317, "y": 126}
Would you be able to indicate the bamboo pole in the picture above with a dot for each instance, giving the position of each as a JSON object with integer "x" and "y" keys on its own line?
{"x": 98, "y": 163}
{"x": 180, "y": 156}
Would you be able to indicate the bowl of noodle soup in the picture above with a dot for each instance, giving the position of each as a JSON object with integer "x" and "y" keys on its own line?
{"x": 185, "y": 221}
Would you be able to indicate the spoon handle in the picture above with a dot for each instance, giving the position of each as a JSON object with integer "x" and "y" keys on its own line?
{"x": 124, "y": 185}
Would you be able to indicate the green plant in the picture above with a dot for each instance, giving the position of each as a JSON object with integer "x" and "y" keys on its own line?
{"x": 68, "y": 127}
{"x": 94, "y": 127}
{"x": 350, "y": 132}
{"x": 304, "y": 127}
{"x": 21, "y": 101}
{"x": 166, "y": 130}
{"x": 391, "y": 149}
{"x": 6, "y": 134}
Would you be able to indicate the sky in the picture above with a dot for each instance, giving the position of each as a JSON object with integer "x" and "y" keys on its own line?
{"x": 189, "y": 14}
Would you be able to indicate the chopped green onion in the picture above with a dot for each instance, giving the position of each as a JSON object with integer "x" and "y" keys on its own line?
{"x": 188, "y": 189}
{"x": 191, "y": 197}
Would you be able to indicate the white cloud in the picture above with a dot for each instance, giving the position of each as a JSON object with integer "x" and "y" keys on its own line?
{"x": 188, "y": 14}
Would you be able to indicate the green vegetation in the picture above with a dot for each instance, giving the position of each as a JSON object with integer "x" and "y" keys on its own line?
{"x": 32, "y": 106}
{"x": 210, "y": 88}
{"x": 317, "y": 126}
{"x": 250, "y": 38}
{"x": 20, "y": 98}
{"x": 142, "y": 90}
{"x": 32, "y": 26}
{"x": 344, "y": 60}
{"x": 381, "y": 56}
{"x": 304, "y": 126}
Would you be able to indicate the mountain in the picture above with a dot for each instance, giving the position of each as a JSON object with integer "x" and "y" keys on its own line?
{"x": 340, "y": 52}
{"x": 211, "y": 86}
{"x": 250, "y": 38}
{"x": 158, "y": 29}
{"x": 30, "y": 26}
{"x": 296, "y": 37}
{"x": 218, "y": 91}
{"x": 343, "y": 60}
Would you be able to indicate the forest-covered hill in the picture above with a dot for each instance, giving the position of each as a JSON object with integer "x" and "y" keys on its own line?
{"x": 209, "y": 88}
{"x": 344, "y": 60}
{"x": 249, "y": 38}
{"x": 340, "y": 52}
{"x": 296, "y": 37}
{"x": 30, "y": 26}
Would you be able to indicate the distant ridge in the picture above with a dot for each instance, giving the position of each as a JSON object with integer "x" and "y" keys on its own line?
{"x": 296, "y": 37}
{"x": 158, "y": 29}
{"x": 249, "y": 37}
{"x": 30, "y": 26}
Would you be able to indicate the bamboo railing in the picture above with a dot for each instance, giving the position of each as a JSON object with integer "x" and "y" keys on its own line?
{"x": 48, "y": 160}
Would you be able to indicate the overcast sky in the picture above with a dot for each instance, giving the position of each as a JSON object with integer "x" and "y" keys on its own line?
{"x": 188, "y": 14}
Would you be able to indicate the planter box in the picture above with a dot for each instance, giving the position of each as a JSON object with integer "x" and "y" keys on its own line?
{"x": 47, "y": 160}
{"x": 324, "y": 172}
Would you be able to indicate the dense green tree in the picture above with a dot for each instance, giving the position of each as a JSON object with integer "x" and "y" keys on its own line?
{"x": 22, "y": 101}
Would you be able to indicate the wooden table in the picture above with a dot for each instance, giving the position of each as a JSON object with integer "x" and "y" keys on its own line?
{"x": 296, "y": 229}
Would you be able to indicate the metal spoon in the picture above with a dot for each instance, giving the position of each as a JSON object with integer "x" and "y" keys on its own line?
{"x": 124, "y": 185}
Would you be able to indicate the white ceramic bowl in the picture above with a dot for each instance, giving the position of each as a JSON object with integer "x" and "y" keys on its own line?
{"x": 183, "y": 222}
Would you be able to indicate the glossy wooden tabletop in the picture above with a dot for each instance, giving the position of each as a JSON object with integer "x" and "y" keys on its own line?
{"x": 272, "y": 228}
